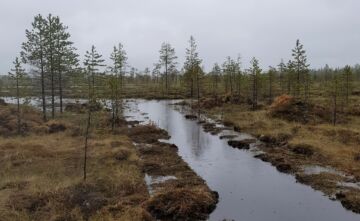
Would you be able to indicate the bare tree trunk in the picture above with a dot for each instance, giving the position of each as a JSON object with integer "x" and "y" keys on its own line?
{"x": 113, "y": 116}
{"x": 191, "y": 87}
{"x": 239, "y": 85}
{"x": 335, "y": 103}
{"x": 60, "y": 90}
{"x": 289, "y": 84}
{"x": 198, "y": 93}
{"x": 52, "y": 96}
{"x": 86, "y": 140}
{"x": 347, "y": 89}
{"x": 334, "y": 109}
{"x": 88, "y": 123}
{"x": 43, "y": 86}
{"x": 254, "y": 103}
{"x": 270, "y": 89}
{"x": 166, "y": 77}
{"x": 60, "y": 79}
{"x": 52, "y": 74}
{"x": 18, "y": 106}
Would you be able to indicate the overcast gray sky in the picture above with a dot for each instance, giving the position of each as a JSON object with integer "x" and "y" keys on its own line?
{"x": 266, "y": 29}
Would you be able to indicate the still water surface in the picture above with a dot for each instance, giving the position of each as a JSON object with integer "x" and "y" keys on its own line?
{"x": 249, "y": 189}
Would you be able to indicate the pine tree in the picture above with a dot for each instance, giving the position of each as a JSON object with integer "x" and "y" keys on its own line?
{"x": 334, "y": 92}
{"x": 156, "y": 73}
{"x": 215, "y": 79}
{"x": 271, "y": 77}
{"x": 192, "y": 66}
{"x": 347, "y": 76}
{"x": 289, "y": 76}
{"x": 232, "y": 74}
{"x": 167, "y": 60}
{"x": 51, "y": 31}
{"x": 238, "y": 76}
{"x": 255, "y": 72}
{"x": 66, "y": 59}
{"x": 92, "y": 62}
{"x": 18, "y": 74}
{"x": 282, "y": 73}
{"x": 34, "y": 53}
{"x": 228, "y": 74}
{"x": 118, "y": 57}
{"x": 301, "y": 70}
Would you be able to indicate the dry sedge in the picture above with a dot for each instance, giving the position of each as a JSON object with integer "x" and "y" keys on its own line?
{"x": 296, "y": 142}
{"x": 41, "y": 177}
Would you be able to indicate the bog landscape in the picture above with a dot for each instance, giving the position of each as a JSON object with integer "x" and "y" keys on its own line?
{"x": 85, "y": 135}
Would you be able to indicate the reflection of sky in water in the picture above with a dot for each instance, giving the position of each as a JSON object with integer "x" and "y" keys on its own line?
{"x": 249, "y": 189}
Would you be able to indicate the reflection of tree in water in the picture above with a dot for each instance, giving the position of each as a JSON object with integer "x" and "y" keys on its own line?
{"x": 167, "y": 116}
{"x": 198, "y": 141}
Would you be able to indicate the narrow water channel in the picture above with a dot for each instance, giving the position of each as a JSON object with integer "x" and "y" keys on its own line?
{"x": 249, "y": 189}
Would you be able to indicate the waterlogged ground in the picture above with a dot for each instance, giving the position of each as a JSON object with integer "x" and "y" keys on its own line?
{"x": 249, "y": 189}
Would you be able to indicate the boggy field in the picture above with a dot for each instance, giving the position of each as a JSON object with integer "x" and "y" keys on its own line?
{"x": 299, "y": 140}
{"x": 42, "y": 171}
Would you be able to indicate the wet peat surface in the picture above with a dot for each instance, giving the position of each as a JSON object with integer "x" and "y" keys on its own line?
{"x": 248, "y": 188}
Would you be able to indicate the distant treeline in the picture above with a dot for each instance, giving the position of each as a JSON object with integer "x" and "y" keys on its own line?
{"x": 53, "y": 69}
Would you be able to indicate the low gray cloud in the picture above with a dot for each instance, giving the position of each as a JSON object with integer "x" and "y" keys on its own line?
{"x": 329, "y": 29}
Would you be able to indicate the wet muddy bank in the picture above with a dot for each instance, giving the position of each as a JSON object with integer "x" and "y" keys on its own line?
{"x": 176, "y": 191}
{"x": 291, "y": 159}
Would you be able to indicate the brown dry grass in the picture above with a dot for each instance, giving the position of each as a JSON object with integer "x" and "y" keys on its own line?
{"x": 294, "y": 144}
{"x": 31, "y": 120}
{"x": 41, "y": 179}
{"x": 42, "y": 174}
{"x": 338, "y": 144}
{"x": 182, "y": 204}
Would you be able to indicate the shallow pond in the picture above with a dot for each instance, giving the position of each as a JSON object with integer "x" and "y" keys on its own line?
{"x": 249, "y": 189}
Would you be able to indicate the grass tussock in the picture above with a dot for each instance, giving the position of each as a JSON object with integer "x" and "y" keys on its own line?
{"x": 31, "y": 120}
{"x": 42, "y": 179}
{"x": 291, "y": 109}
{"x": 187, "y": 197}
{"x": 182, "y": 204}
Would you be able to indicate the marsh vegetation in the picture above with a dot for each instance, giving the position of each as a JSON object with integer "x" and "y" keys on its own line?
{"x": 85, "y": 152}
